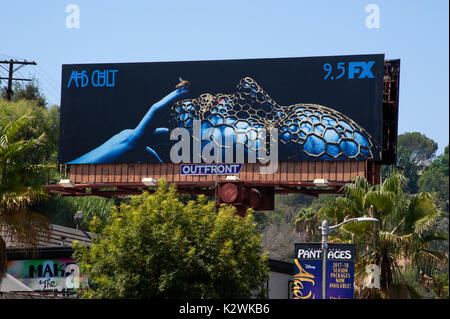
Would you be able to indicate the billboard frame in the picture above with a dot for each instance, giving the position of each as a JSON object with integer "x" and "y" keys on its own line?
{"x": 108, "y": 180}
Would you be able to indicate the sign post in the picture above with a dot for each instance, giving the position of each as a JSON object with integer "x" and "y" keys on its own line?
{"x": 325, "y": 232}
{"x": 337, "y": 267}
{"x": 324, "y": 257}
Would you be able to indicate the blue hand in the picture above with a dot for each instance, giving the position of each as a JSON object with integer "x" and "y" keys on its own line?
{"x": 132, "y": 142}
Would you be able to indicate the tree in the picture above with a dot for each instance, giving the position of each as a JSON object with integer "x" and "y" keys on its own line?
{"x": 414, "y": 152}
{"x": 418, "y": 148}
{"x": 307, "y": 223}
{"x": 61, "y": 210}
{"x": 435, "y": 179}
{"x": 41, "y": 121}
{"x": 157, "y": 247}
{"x": 403, "y": 232}
{"x": 30, "y": 91}
{"x": 278, "y": 239}
{"x": 20, "y": 183}
{"x": 286, "y": 208}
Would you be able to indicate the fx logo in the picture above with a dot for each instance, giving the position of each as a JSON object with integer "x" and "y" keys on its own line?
{"x": 362, "y": 68}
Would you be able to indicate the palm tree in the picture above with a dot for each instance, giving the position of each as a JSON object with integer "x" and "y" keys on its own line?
{"x": 307, "y": 223}
{"x": 403, "y": 233}
{"x": 19, "y": 184}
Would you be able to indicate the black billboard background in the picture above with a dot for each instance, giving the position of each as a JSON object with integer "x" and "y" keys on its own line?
{"x": 91, "y": 115}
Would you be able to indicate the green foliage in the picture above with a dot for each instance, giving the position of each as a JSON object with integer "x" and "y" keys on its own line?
{"x": 414, "y": 151}
{"x": 42, "y": 125}
{"x": 404, "y": 230}
{"x": 286, "y": 208}
{"x": 440, "y": 284}
{"x": 418, "y": 285}
{"x": 29, "y": 91}
{"x": 417, "y": 146}
{"x": 308, "y": 222}
{"x": 20, "y": 180}
{"x": 157, "y": 247}
{"x": 60, "y": 210}
{"x": 282, "y": 227}
{"x": 435, "y": 179}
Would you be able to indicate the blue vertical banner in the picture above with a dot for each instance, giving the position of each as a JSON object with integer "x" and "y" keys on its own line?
{"x": 307, "y": 271}
{"x": 340, "y": 271}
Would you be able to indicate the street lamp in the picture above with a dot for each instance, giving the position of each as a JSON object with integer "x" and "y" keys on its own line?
{"x": 149, "y": 181}
{"x": 326, "y": 230}
{"x": 78, "y": 217}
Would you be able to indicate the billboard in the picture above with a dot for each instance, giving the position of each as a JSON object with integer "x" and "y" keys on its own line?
{"x": 340, "y": 271}
{"x": 232, "y": 111}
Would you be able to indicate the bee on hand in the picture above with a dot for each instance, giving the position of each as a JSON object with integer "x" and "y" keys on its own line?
{"x": 182, "y": 84}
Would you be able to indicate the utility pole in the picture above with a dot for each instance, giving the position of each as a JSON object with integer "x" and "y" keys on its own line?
{"x": 10, "y": 71}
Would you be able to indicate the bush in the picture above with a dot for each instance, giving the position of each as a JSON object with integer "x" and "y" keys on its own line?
{"x": 157, "y": 247}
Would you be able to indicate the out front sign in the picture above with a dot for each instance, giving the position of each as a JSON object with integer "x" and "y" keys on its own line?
{"x": 228, "y": 111}
{"x": 308, "y": 271}
{"x": 211, "y": 169}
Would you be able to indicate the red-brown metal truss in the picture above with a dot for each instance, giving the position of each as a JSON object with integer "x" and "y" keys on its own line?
{"x": 208, "y": 188}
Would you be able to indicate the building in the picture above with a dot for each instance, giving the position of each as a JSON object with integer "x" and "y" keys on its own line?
{"x": 48, "y": 268}
{"x": 50, "y": 271}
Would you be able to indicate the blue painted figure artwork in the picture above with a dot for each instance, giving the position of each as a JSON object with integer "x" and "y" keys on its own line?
{"x": 305, "y": 131}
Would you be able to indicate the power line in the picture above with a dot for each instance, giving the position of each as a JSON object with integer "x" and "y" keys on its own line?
{"x": 12, "y": 57}
{"x": 41, "y": 75}
{"x": 40, "y": 78}
{"x": 3, "y": 73}
{"x": 47, "y": 89}
{"x": 11, "y": 70}
{"x": 50, "y": 84}
{"x": 54, "y": 92}
{"x": 48, "y": 76}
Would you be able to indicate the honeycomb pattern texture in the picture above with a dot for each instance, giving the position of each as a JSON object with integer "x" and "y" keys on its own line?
{"x": 305, "y": 131}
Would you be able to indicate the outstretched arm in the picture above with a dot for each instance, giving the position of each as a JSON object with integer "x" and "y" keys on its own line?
{"x": 133, "y": 139}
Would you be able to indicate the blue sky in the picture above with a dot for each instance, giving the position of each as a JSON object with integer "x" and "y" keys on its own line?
{"x": 145, "y": 31}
